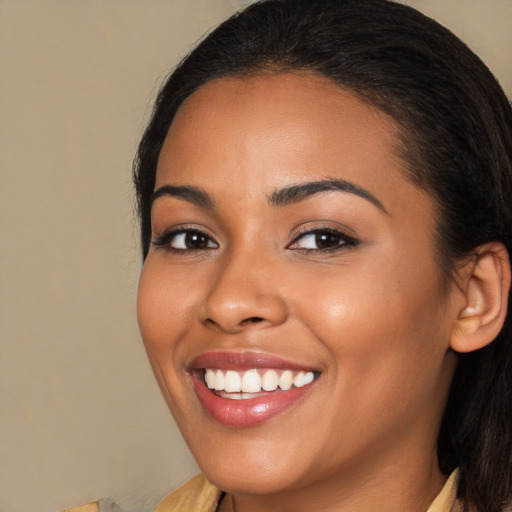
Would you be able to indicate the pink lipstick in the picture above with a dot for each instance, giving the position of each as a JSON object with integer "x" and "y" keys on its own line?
{"x": 248, "y": 388}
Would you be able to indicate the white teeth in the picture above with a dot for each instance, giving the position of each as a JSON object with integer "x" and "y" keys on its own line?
{"x": 298, "y": 381}
{"x": 237, "y": 396}
{"x": 251, "y": 382}
{"x": 242, "y": 385}
{"x": 210, "y": 379}
{"x": 286, "y": 380}
{"x": 270, "y": 380}
{"x": 232, "y": 396}
{"x": 232, "y": 382}
{"x": 219, "y": 380}
{"x": 303, "y": 378}
{"x": 309, "y": 377}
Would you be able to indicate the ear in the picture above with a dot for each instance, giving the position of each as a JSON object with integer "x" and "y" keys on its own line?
{"x": 485, "y": 286}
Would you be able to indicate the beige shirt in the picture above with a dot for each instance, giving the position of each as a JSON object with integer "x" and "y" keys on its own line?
{"x": 199, "y": 495}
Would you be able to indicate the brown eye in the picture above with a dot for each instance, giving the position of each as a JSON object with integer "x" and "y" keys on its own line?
{"x": 325, "y": 240}
{"x": 191, "y": 240}
{"x": 196, "y": 241}
{"x": 322, "y": 240}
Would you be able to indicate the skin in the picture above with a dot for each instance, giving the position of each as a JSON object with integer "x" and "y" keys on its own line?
{"x": 375, "y": 318}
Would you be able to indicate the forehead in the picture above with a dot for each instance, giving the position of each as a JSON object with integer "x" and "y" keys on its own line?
{"x": 276, "y": 129}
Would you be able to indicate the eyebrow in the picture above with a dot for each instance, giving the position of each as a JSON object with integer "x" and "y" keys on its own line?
{"x": 190, "y": 193}
{"x": 301, "y": 191}
{"x": 283, "y": 197}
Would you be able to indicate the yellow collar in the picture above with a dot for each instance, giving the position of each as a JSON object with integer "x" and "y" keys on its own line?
{"x": 199, "y": 494}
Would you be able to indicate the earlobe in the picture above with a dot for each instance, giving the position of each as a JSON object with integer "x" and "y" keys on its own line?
{"x": 486, "y": 287}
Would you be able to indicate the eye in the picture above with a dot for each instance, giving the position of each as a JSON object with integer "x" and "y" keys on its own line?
{"x": 185, "y": 240}
{"x": 191, "y": 240}
{"x": 322, "y": 240}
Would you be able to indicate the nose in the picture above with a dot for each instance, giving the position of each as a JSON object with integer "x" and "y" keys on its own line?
{"x": 243, "y": 295}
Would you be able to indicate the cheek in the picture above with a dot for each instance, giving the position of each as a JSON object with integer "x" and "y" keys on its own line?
{"x": 161, "y": 309}
{"x": 163, "y": 323}
{"x": 383, "y": 320}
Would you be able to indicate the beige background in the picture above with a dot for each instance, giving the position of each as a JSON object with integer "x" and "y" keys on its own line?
{"x": 81, "y": 417}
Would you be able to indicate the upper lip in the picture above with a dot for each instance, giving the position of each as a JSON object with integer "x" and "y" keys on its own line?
{"x": 246, "y": 360}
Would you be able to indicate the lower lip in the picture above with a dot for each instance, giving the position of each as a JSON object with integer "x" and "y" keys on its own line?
{"x": 248, "y": 412}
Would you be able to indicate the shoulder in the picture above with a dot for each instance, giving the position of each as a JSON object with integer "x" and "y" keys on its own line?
{"x": 89, "y": 507}
{"x": 96, "y": 506}
{"x": 197, "y": 495}
{"x": 446, "y": 501}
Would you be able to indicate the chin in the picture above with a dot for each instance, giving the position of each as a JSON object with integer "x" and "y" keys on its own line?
{"x": 255, "y": 481}
{"x": 245, "y": 463}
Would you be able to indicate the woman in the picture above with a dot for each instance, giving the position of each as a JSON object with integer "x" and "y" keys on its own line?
{"x": 325, "y": 192}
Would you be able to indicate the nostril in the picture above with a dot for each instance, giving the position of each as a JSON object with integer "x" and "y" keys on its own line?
{"x": 252, "y": 320}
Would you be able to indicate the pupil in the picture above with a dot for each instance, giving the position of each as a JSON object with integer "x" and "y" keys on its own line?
{"x": 195, "y": 241}
{"x": 324, "y": 240}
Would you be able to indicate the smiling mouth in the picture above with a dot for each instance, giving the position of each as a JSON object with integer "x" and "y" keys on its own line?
{"x": 245, "y": 389}
{"x": 255, "y": 382}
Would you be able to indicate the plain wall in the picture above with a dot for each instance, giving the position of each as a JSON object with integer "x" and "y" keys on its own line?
{"x": 80, "y": 415}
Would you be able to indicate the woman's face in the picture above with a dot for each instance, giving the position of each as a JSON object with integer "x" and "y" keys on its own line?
{"x": 287, "y": 245}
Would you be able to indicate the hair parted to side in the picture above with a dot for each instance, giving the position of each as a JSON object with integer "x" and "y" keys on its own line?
{"x": 456, "y": 143}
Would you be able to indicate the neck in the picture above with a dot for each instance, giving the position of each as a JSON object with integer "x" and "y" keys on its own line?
{"x": 399, "y": 488}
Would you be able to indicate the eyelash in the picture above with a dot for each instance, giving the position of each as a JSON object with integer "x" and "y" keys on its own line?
{"x": 165, "y": 240}
{"x": 345, "y": 241}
